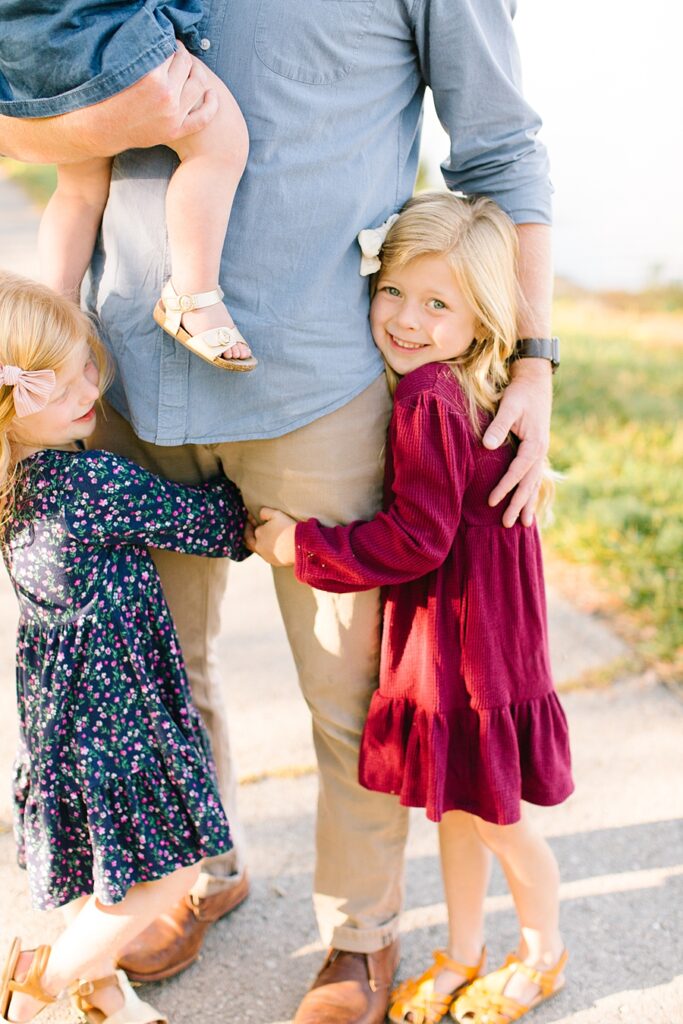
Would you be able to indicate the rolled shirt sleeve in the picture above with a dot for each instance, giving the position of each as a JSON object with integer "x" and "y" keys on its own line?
{"x": 469, "y": 58}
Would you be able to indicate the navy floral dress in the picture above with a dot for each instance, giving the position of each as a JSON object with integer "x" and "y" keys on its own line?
{"x": 114, "y": 782}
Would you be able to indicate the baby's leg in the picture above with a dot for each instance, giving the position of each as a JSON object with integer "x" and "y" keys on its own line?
{"x": 198, "y": 205}
{"x": 533, "y": 875}
{"x": 95, "y": 934}
{"x": 70, "y": 224}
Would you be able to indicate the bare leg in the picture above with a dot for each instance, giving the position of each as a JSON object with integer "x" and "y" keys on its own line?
{"x": 534, "y": 879}
{"x": 70, "y": 223}
{"x": 89, "y": 946}
{"x": 198, "y": 204}
{"x": 466, "y": 868}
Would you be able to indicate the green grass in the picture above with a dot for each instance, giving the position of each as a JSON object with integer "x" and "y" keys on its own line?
{"x": 618, "y": 438}
{"x": 38, "y": 180}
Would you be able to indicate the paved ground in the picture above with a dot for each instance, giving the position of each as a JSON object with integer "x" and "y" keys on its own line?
{"x": 619, "y": 839}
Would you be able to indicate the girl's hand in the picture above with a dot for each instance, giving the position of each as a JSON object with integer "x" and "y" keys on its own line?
{"x": 273, "y": 540}
{"x": 250, "y": 532}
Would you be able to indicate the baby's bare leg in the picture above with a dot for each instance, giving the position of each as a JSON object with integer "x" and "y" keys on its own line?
{"x": 70, "y": 224}
{"x": 198, "y": 205}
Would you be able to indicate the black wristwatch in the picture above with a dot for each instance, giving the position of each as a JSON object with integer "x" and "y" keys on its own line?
{"x": 539, "y": 348}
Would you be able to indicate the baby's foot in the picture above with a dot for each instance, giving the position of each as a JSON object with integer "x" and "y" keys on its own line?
{"x": 217, "y": 315}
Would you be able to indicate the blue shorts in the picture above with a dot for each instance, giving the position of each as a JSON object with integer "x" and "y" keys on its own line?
{"x": 61, "y": 55}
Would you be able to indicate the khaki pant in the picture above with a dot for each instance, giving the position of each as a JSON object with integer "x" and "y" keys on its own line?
{"x": 331, "y": 469}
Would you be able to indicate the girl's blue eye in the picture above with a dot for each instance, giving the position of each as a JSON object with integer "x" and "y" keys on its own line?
{"x": 390, "y": 290}
{"x": 438, "y": 304}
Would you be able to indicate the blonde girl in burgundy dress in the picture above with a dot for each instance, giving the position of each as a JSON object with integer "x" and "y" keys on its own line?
{"x": 466, "y": 722}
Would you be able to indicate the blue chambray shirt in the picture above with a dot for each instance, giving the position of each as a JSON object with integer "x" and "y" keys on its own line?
{"x": 332, "y": 93}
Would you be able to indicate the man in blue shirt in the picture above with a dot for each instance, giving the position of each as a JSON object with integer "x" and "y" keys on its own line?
{"x": 332, "y": 94}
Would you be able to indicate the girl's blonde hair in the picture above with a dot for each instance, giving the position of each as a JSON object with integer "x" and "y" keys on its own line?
{"x": 479, "y": 242}
{"x": 38, "y": 330}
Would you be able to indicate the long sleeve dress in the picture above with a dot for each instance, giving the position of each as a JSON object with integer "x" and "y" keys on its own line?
{"x": 114, "y": 782}
{"x": 466, "y": 716}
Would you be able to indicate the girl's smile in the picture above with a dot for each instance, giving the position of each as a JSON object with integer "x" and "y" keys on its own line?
{"x": 87, "y": 416}
{"x": 419, "y": 315}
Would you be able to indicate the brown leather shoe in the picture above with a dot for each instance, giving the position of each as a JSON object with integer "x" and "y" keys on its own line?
{"x": 173, "y": 941}
{"x": 352, "y": 988}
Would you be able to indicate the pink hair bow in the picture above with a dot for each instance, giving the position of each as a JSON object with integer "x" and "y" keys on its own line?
{"x": 32, "y": 388}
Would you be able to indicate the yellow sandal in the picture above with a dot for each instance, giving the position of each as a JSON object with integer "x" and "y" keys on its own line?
{"x": 485, "y": 1001}
{"x": 208, "y": 345}
{"x": 416, "y": 1002}
{"x": 30, "y": 986}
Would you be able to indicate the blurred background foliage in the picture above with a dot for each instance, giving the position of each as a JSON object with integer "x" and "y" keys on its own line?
{"x": 618, "y": 439}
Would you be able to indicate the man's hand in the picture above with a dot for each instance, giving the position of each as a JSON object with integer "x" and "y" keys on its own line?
{"x": 273, "y": 540}
{"x": 525, "y": 410}
{"x": 170, "y": 102}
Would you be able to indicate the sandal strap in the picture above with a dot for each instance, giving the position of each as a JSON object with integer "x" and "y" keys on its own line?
{"x": 134, "y": 1009}
{"x": 444, "y": 962}
{"x": 31, "y": 985}
{"x": 188, "y": 301}
{"x": 80, "y": 989}
{"x": 217, "y": 338}
{"x": 544, "y": 978}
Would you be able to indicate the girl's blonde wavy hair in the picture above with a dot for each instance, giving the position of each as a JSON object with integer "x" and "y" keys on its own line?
{"x": 479, "y": 242}
{"x": 38, "y": 330}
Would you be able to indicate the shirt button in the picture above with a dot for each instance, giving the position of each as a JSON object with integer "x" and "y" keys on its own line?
{"x": 205, "y": 43}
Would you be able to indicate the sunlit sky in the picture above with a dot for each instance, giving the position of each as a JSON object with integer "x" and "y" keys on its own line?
{"x": 607, "y": 78}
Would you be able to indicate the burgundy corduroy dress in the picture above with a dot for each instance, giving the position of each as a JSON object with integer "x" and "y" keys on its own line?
{"x": 466, "y": 716}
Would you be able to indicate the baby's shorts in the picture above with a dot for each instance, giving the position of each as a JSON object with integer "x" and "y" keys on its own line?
{"x": 62, "y": 55}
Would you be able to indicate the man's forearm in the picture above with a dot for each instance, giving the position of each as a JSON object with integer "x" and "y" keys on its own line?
{"x": 536, "y": 280}
{"x": 44, "y": 140}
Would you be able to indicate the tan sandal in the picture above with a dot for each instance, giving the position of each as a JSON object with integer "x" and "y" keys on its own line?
{"x": 485, "y": 1001}
{"x": 30, "y": 986}
{"x": 133, "y": 1011}
{"x": 416, "y": 1001}
{"x": 208, "y": 345}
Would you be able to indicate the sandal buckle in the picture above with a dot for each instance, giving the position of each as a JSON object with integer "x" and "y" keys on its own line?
{"x": 187, "y": 303}
{"x": 85, "y": 988}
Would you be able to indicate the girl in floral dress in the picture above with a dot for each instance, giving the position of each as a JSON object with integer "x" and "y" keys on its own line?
{"x": 115, "y": 793}
{"x": 465, "y": 722}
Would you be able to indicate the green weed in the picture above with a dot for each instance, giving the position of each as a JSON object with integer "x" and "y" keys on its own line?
{"x": 618, "y": 438}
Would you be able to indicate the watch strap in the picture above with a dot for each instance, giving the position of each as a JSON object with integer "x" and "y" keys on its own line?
{"x": 539, "y": 348}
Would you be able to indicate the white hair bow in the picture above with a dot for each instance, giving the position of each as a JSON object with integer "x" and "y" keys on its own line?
{"x": 371, "y": 241}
